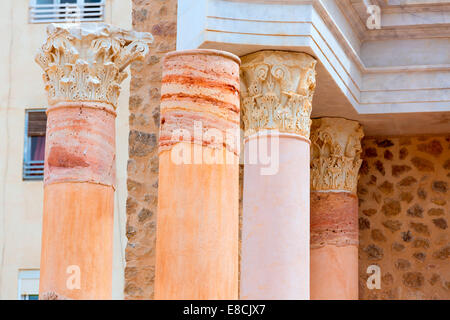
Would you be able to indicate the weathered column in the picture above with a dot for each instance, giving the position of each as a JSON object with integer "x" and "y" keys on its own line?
{"x": 277, "y": 90}
{"x": 83, "y": 68}
{"x": 198, "y": 193}
{"x": 335, "y": 162}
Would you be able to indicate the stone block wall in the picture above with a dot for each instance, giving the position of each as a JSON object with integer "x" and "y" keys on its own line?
{"x": 160, "y": 18}
{"x": 404, "y": 196}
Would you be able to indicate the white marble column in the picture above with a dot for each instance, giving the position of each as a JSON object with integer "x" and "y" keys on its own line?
{"x": 276, "y": 100}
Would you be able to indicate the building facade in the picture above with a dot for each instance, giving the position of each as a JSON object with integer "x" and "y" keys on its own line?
{"x": 361, "y": 192}
{"x": 21, "y": 197}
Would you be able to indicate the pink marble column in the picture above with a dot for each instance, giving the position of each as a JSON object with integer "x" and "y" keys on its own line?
{"x": 198, "y": 195}
{"x": 83, "y": 68}
{"x": 335, "y": 162}
{"x": 276, "y": 95}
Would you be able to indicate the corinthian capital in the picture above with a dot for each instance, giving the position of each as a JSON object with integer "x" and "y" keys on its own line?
{"x": 86, "y": 62}
{"x": 276, "y": 91}
{"x": 335, "y": 154}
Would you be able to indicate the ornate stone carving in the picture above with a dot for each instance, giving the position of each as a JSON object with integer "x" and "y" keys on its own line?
{"x": 86, "y": 62}
{"x": 335, "y": 154}
{"x": 51, "y": 295}
{"x": 276, "y": 92}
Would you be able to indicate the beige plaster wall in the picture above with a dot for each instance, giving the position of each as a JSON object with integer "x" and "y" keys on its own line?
{"x": 404, "y": 195}
{"x": 21, "y": 87}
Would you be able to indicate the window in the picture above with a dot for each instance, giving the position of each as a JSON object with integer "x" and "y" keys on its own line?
{"x": 45, "y": 11}
{"x": 34, "y": 149}
{"x": 28, "y": 286}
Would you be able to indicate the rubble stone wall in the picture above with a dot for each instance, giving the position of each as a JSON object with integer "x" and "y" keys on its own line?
{"x": 160, "y": 18}
{"x": 404, "y": 208}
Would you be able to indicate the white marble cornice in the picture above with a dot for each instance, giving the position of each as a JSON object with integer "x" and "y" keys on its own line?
{"x": 403, "y": 20}
{"x": 385, "y": 80}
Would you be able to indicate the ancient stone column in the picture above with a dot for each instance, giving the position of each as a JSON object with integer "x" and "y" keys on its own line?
{"x": 276, "y": 97}
{"x": 335, "y": 162}
{"x": 198, "y": 188}
{"x": 83, "y": 68}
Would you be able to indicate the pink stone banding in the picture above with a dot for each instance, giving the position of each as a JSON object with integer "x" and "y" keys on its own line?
{"x": 200, "y": 85}
{"x": 80, "y": 143}
{"x": 83, "y": 104}
{"x": 334, "y": 219}
{"x": 177, "y": 119}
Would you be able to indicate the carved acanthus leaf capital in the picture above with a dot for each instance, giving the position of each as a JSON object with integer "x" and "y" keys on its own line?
{"x": 335, "y": 154}
{"x": 86, "y": 62}
{"x": 276, "y": 92}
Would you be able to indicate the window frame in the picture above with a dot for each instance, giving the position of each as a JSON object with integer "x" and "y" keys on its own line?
{"x": 26, "y": 274}
{"x": 26, "y": 150}
{"x": 33, "y": 17}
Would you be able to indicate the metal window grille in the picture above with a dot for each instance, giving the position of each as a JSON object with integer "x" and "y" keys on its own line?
{"x": 66, "y": 11}
{"x": 35, "y": 126}
{"x": 28, "y": 285}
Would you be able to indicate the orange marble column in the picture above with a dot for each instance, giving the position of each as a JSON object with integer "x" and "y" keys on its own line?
{"x": 277, "y": 90}
{"x": 335, "y": 162}
{"x": 83, "y": 68}
{"x": 198, "y": 196}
